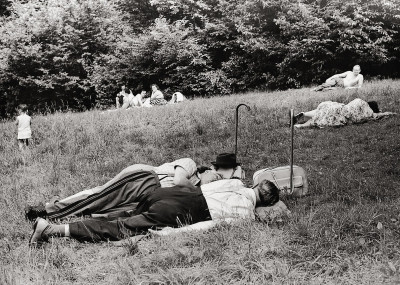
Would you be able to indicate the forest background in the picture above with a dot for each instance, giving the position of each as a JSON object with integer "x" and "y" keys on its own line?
{"x": 75, "y": 54}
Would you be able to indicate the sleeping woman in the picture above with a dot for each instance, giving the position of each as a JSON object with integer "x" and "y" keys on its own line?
{"x": 338, "y": 114}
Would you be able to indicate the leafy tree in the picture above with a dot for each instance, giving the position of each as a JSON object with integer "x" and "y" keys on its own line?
{"x": 78, "y": 53}
{"x": 4, "y": 7}
{"x": 48, "y": 47}
{"x": 166, "y": 55}
{"x": 139, "y": 13}
{"x": 329, "y": 39}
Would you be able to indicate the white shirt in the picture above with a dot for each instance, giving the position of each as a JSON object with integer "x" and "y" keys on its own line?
{"x": 129, "y": 98}
{"x": 157, "y": 95}
{"x": 166, "y": 171}
{"x": 24, "y": 126}
{"x": 229, "y": 198}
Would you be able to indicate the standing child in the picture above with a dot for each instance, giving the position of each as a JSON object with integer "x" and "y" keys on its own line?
{"x": 24, "y": 126}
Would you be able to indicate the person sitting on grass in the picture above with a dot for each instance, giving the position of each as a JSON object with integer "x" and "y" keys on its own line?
{"x": 156, "y": 98}
{"x": 348, "y": 80}
{"x": 337, "y": 114}
{"x": 122, "y": 99}
{"x": 194, "y": 208}
{"x": 137, "y": 101}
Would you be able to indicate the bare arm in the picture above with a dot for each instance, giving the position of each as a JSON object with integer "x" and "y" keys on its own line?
{"x": 361, "y": 81}
{"x": 344, "y": 74}
{"x": 238, "y": 173}
{"x": 181, "y": 177}
{"x": 168, "y": 231}
{"x": 382, "y": 114}
{"x": 200, "y": 226}
{"x": 139, "y": 98}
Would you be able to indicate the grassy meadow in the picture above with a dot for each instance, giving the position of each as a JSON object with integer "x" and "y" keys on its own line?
{"x": 346, "y": 231}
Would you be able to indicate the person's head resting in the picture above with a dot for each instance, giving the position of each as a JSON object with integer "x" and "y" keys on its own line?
{"x": 154, "y": 87}
{"x": 268, "y": 193}
{"x": 22, "y": 108}
{"x": 356, "y": 69}
{"x": 207, "y": 176}
{"x": 374, "y": 106}
{"x": 143, "y": 93}
{"x": 123, "y": 88}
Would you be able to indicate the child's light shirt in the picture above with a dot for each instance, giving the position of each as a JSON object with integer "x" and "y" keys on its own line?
{"x": 24, "y": 126}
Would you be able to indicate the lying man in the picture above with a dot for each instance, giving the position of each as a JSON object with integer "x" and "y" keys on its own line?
{"x": 199, "y": 207}
{"x": 118, "y": 197}
{"x": 349, "y": 80}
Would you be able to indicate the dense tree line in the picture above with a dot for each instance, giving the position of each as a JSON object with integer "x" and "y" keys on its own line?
{"x": 57, "y": 54}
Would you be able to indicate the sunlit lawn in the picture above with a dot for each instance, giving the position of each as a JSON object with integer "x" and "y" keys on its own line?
{"x": 346, "y": 231}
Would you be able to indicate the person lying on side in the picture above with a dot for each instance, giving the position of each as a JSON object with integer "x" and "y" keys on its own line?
{"x": 120, "y": 195}
{"x": 348, "y": 80}
{"x": 338, "y": 114}
{"x": 194, "y": 208}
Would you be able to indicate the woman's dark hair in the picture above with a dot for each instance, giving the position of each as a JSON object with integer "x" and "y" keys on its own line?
{"x": 269, "y": 193}
{"x": 155, "y": 86}
{"x": 374, "y": 106}
{"x": 202, "y": 168}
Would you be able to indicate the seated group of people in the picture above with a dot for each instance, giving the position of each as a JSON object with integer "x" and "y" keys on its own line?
{"x": 176, "y": 196}
{"x": 125, "y": 98}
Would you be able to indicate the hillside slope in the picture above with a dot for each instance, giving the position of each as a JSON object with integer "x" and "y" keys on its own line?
{"x": 346, "y": 231}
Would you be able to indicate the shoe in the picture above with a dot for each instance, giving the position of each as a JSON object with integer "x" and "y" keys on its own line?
{"x": 37, "y": 236}
{"x": 34, "y": 212}
{"x": 297, "y": 118}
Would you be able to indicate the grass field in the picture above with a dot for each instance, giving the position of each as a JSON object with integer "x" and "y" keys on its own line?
{"x": 346, "y": 231}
